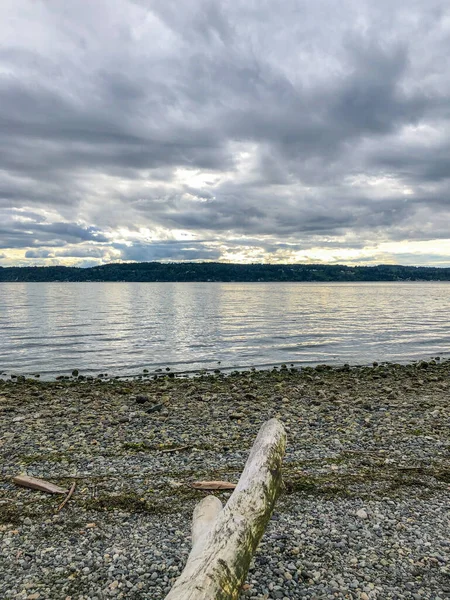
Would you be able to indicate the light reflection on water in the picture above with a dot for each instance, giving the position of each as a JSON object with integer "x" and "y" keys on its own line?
{"x": 121, "y": 328}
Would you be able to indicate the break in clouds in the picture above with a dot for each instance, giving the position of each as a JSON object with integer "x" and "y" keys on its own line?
{"x": 238, "y": 131}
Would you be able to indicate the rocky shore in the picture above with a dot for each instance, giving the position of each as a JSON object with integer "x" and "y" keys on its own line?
{"x": 363, "y": 513}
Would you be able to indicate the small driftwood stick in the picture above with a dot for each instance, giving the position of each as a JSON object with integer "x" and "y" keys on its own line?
{"x": 176, "y": 449}
{"x": 68, "y": 497}
{"x": 38, "y": 484}
{"x": 213, "y": 485}
{"x": 224, "y": 540}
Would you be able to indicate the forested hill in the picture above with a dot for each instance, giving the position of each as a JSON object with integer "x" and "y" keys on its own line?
{"x": 155, "y": 271}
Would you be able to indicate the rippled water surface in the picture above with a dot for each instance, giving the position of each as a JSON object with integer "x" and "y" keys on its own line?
{"x": 122, "y": 328}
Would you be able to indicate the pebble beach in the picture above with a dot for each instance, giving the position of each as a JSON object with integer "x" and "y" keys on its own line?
{"x": 363, "y": 513}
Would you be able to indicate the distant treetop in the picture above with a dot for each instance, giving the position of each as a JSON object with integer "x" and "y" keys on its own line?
{"x": 209, "y": 271}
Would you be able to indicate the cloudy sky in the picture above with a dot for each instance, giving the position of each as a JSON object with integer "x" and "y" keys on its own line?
{"x": 246, "y": 131}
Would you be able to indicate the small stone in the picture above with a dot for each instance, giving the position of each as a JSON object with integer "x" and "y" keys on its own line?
{"x": 361, "y": 513}
{"x": 155, "y": 408}
{"x": 142, "y": 399}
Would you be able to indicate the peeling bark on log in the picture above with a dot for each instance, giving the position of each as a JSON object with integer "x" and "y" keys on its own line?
{"x": 224, "y": 540}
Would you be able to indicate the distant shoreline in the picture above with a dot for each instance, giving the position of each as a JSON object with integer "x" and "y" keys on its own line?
{"x": 418, "y": 281}
{"x": 224, "y": 272}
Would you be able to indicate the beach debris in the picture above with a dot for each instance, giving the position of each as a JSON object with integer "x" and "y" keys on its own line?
{"x": 224, "y": 539}
{"x": 38, "y": 484}
{"x": 175, "y": 484}
{"x": 67, "y": 498}
{"x": 177, "y": 449}
{"x": 213, "y": 485}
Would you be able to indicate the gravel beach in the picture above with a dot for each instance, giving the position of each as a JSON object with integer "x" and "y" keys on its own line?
{"x": 364, "y": 511}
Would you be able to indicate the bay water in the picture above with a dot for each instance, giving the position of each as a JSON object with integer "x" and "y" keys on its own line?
{"x": 123, "y": 328}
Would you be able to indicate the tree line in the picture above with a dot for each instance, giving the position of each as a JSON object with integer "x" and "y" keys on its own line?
{"x": 210, "y": 271}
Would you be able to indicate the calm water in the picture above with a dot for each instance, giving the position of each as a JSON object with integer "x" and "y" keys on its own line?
{"x": 122, "y": 328}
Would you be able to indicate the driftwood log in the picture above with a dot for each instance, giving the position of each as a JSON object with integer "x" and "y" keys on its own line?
{"x": 225, "y": 539}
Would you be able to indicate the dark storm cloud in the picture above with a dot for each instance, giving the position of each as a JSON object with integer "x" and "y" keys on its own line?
{"x": 82, "y": 252}
{"x": 30, "y": 231}
{"x": 296, "y": 122}
{"x": 72, "y": 231}
{"x": 413, "y": 166}
{"x": 38, "y": 254}
{"x": 265, "y": 212}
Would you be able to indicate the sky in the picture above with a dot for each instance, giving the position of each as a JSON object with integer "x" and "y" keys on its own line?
{"x": 237, "y": 131}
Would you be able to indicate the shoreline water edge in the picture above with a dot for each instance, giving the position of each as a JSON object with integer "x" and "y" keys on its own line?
{"x": 217, "y": 369}
{"x": 364, "y": 508}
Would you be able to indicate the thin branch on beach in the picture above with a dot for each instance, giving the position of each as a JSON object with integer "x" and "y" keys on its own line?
{"x": 68, "y": 497}
{"x": 176, "y": 449}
